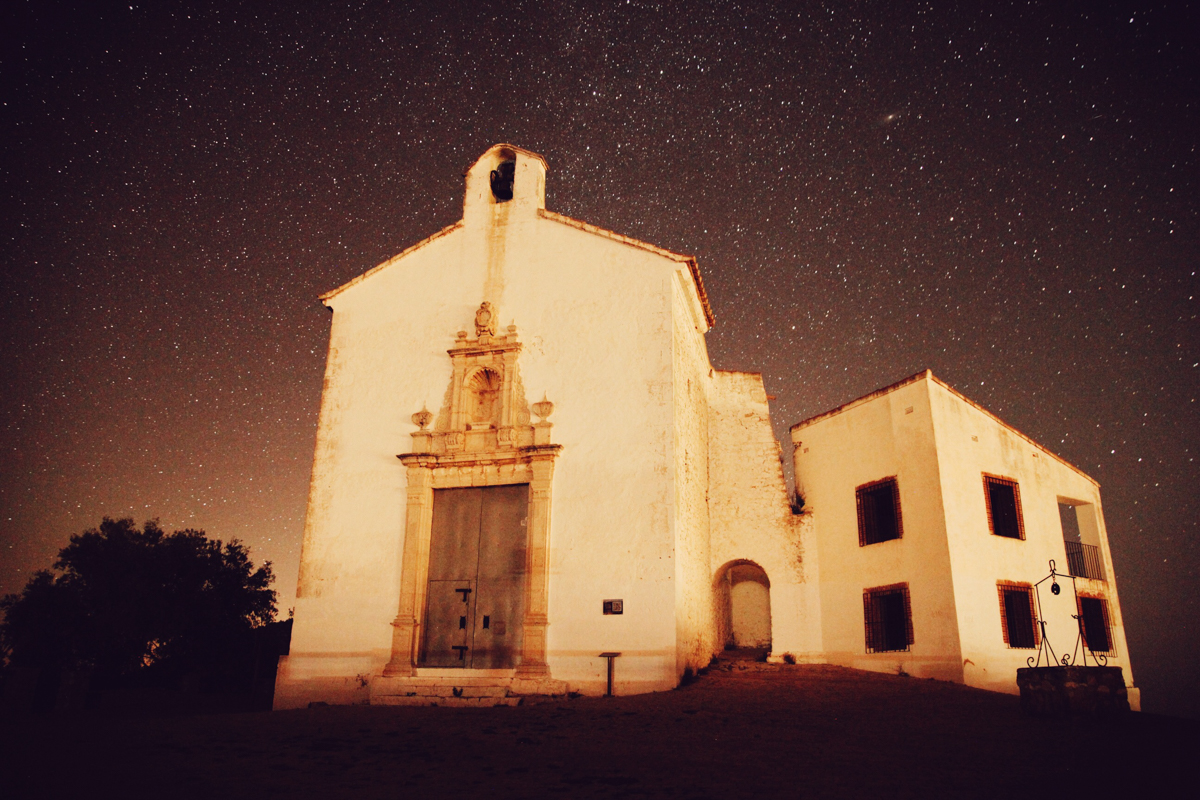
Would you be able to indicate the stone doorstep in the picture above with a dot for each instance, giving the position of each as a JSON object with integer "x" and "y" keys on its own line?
{"x": 449, "y": 702}
{"x": 461, "y": 691}
{"x": 797, "y": 658}
{"x": 539, "y": 686}
{"x": 438, "y": 687}
{"x": 449, "y": 690}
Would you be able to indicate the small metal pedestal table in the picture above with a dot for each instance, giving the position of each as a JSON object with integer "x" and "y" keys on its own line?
{"x": 610, "y": 657}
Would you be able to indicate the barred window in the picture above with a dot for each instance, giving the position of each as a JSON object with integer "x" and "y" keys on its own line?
{"x": 1018, "y": 617}
{"x": 1003, "y": 507}
{"x": 888, "y": 617}
{"x": 878, "y": 512}
{"x": 1097, "y": 630}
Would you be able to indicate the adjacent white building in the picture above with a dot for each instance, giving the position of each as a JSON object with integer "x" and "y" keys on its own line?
{"x": 525, "y": 460}
{"x": 934, "y": 520}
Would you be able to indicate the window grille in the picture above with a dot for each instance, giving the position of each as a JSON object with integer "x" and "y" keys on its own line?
{"x": 887, "y": 614}
{"x": 879, "y": 517}
{"x": 1003, "y": 507}
{"x": 1097, "y": 629}
{"x": 1018, "y": 615}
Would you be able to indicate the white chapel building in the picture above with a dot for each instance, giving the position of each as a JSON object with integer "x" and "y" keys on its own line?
{"x": 529, "y": 479}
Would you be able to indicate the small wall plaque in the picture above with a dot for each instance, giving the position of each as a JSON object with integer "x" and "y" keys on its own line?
{"x": 614, "y": 606}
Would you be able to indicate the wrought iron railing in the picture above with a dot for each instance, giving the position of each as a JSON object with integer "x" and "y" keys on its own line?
{"x": 1083, "y": 561}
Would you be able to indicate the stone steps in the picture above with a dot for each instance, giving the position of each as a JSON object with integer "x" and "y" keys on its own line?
{"x": 458, "y": 691}
{"x": 448, "y": 702}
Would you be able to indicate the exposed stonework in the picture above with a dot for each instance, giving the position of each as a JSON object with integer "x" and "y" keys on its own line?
{"x": 751, "y": 517}
{"x": 1072, "y": 691}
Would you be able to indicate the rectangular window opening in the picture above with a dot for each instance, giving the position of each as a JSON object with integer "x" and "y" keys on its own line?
{"x": 887, "y": 614}
{"x": 1003, "y": 507}
{"x": 1097, "y": 630}
{"x": 879, "y": 517}
{"x": 1018, "y": 616}
{"x": 1081, "y": 540}
{"x": 1070, "y": 522}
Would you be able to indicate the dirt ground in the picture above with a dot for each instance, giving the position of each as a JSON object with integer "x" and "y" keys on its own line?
{"x": 743, "y": 730}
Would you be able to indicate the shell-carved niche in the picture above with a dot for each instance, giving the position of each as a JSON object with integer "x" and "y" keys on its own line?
{"x": 483, "y": 399}
{"x": 484, "y": 409}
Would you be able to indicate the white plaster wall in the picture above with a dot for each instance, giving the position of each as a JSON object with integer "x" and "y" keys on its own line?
{"x": 353, "y": 535}
{"x": 751, "y": 517}
{"x": 595, "y": 316}
{"x": 886, "y": 434}
{"x": 695, "y": 632}
{"x": 600, "y": 344}
{"x": 971, "y": 442}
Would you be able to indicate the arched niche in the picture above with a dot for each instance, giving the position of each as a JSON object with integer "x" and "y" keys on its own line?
{"x": 743, "y": 605}
{"x": 483, "y": 398}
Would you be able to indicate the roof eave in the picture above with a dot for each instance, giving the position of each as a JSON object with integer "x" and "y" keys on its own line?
{"x": 693, "y": 267}
{"x": 359, "y": 279}
{"x": 928, "y": 374}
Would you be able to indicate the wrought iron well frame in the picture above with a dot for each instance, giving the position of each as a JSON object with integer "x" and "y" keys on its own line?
{"x": 1045, "y": 649}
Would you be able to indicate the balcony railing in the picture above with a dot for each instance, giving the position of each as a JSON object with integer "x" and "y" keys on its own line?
{"x": 1083, "y": 560}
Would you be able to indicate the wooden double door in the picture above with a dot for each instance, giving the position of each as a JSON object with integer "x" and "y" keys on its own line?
{"x": 475, "y": 605}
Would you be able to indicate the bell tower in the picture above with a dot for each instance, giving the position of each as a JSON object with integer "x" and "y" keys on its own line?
{"x": 506, "y": 184}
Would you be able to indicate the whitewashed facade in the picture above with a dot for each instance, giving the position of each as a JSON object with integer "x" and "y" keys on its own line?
{"x": 943, "y": 453}
{"x": 525, "y": 459}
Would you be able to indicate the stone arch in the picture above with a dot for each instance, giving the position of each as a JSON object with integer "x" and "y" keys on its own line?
{"x": 502, "y": 177}
{"x": 742, "y": 593}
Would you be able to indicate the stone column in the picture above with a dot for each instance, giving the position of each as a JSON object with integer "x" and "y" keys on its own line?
{"x": 414, "y": 570}
{"x": 537, "y": 605}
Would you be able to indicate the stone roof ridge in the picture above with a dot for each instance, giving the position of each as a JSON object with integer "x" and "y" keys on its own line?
{"x": 860, "y": 400}
{"x": 685, "y": 259}
{"x": 443, "y": 232}
{"x": 736, "y": 372}
{"x": 927, "y": 374}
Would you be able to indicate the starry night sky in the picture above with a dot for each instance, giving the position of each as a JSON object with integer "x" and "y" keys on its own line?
{"x": 1004, "y": 193}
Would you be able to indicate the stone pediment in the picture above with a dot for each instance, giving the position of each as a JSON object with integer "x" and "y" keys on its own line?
{"x": 484, "y": 412}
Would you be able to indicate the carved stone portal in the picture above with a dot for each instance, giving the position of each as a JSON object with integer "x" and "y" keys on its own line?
{"x": 482, "y": 436}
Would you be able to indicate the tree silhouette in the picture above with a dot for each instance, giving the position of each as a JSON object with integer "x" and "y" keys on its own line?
{"x": 139, "y": 604}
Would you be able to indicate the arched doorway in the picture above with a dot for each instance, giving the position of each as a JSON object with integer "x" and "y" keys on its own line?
{"x": 743, "y": 594}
